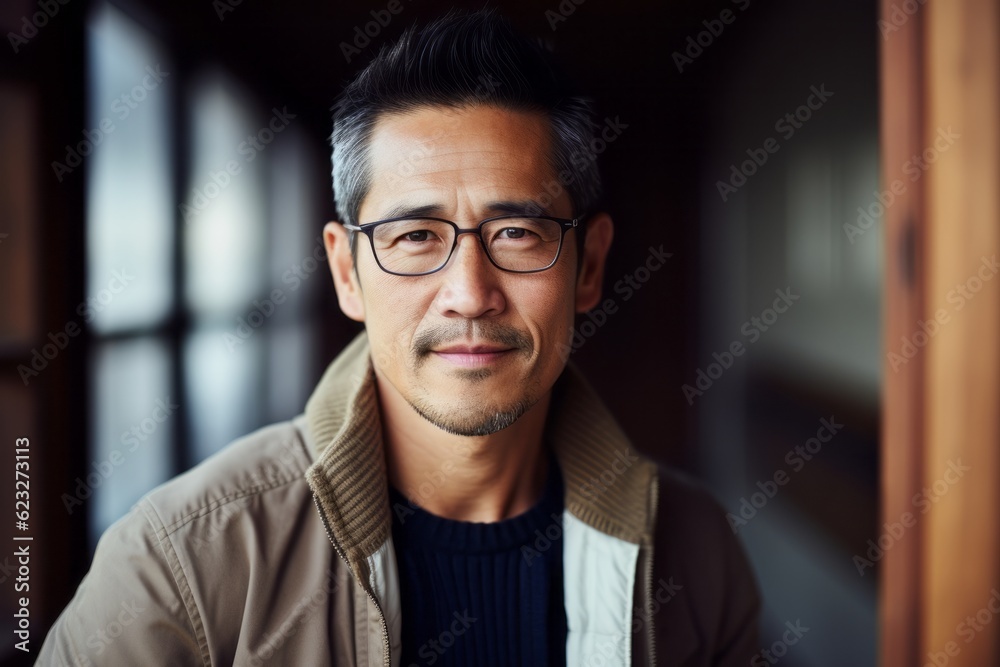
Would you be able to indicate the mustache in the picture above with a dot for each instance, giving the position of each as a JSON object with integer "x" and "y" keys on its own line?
{"x": 478, "y": 331}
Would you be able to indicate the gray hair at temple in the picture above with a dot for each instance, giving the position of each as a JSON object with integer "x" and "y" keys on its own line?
{"x": 459, "y": 60}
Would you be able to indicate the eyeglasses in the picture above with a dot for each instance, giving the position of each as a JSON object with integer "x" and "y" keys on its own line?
{"x": 417, "y": 246}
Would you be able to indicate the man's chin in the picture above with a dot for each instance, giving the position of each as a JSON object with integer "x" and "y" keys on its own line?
{"x": 470, "y": 420}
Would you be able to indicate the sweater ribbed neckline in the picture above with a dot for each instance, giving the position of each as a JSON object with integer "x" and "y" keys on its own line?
{"x": 418, "y": 528}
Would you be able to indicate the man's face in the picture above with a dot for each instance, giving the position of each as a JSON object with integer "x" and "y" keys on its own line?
{"x": 464, "y": 166}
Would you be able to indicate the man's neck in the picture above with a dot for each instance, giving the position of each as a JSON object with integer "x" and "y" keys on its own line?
{"x": 480, "y": 478}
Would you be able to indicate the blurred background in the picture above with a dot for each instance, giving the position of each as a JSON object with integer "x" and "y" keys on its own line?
{"x": 165, "y": 179}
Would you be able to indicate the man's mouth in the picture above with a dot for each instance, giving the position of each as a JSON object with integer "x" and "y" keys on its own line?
{"x": 472, "y": 356}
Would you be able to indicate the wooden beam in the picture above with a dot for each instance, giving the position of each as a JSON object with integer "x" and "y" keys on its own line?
{"x": 961, "y": 540}
{"x": 901, "y": 136}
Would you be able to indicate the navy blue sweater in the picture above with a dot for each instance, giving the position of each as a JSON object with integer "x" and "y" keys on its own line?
{"x": 482, "y": 593}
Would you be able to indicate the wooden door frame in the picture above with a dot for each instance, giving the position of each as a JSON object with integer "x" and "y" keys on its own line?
{"x": 940, "y": 69}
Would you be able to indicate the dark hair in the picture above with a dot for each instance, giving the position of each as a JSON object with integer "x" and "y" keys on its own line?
{"x": 459, "y": 60}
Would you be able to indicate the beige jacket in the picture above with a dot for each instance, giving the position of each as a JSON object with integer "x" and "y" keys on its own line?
{"x": 278, "y": 551}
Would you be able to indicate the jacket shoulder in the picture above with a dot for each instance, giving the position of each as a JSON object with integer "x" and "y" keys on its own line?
{"x": 183, "y": 567}
{"x": 267, "y": 459}
{"x": 685, "y": 503}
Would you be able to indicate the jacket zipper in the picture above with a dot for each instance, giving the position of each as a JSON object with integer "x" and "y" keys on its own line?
{"x": 336, "y": 547}
{"x": 649, "y": 577}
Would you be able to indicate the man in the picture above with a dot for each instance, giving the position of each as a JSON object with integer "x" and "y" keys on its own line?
{"x": 455, "y": 492}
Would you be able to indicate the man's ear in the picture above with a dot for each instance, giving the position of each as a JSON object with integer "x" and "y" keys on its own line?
{"x": 600, "y": 231}
{"x": 345, "y": 281}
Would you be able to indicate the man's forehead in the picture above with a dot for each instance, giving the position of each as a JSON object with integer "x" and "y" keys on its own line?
{"x": 492, "y": 152}
{"x": 429, "y": 132}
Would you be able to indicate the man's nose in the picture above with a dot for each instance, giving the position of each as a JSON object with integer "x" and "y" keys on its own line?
{"x": 471, "y": 287}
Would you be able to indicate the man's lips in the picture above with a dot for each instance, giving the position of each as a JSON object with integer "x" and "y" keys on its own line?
{"x": 472, "y": 356}
{"x": 472, "y": 349}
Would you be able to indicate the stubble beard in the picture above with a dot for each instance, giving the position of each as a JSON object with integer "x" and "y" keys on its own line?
{"x": 470, "y": 420}
{"x": 465, "y": 417}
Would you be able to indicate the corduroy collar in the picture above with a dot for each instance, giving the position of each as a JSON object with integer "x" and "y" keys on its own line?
{"x": 608, "y": 484}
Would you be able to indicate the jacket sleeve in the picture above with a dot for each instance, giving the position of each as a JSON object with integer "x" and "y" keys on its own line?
{"x": 132, "y": 608}
{"x": 713, "y": 619}
{"x": 739, "y": 636}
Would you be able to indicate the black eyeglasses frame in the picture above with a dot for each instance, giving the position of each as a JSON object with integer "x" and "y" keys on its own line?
{"x": 368, "y": 229}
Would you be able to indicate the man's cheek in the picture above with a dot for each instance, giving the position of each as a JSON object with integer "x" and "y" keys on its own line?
{"x": 383, "y": 361}
{"x": 557, "y": 332}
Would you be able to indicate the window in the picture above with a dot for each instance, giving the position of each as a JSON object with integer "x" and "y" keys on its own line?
{"x": 198, "y": 284}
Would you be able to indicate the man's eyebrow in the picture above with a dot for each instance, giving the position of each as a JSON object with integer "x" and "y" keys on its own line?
{"x": 409, "y": 211}
{"x": 518, "y": 207}
{"x": 504, "y": 207}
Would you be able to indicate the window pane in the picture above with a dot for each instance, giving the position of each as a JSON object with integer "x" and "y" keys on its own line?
{"x": 299, "y": 270}
{"x": 834, "y": 330}
{"x": 291, "y": 368}
{"x": 225, "y": 209}
{"x": 127, "y": 141}
{"x": 297, "y": 255}
{"x": 224, "y": 383}
{"x": 133, "y": 420}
